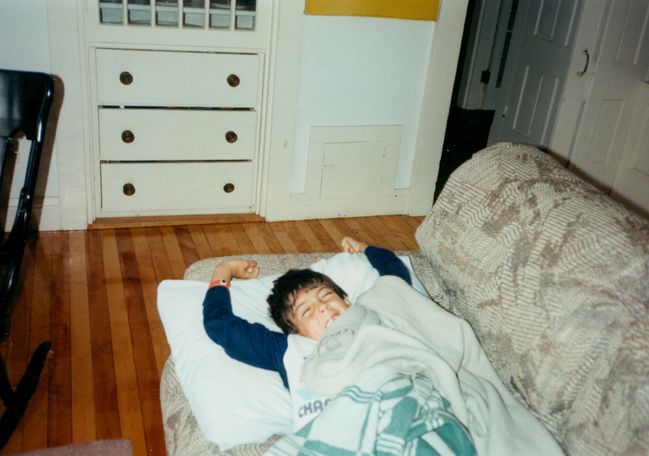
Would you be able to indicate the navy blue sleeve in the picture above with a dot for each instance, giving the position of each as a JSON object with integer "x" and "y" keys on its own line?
{"x": 250, "y": 343}
{"x": 387, "y": 263}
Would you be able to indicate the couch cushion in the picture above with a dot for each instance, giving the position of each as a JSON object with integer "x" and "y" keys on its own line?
{"x": 554, "y": 277}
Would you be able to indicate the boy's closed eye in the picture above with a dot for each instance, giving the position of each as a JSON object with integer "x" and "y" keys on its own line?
{"x": 306, "y": 309}
{"x": 324, "y": 294}
{"x": 302, "y": 308}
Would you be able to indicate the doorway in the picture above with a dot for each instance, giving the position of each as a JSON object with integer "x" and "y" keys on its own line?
{"x": 485, "y": 43}
{"x": 467, "y": 131}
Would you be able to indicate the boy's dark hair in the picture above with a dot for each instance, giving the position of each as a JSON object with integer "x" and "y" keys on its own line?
{"x": 287, "y": 287}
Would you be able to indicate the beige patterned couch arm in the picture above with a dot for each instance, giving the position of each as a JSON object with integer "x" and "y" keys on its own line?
{"x": 554, "y": 278}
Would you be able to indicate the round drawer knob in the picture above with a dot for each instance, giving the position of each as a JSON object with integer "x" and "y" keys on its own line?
{"x": 125, "y": 77}
{"x": 228, "y": 188}
{"x": 231, "y": 137}
{"x": 128, "y": 189}
{"x": 128, "y": 136}
{"x": 233, "y": 80}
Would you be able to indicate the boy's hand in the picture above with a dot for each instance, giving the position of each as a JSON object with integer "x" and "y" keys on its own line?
{"x": 351, "y": 245}
{"x": 235, "y": 269}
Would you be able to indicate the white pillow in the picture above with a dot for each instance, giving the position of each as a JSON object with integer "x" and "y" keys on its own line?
{"x": 235, "y": 403}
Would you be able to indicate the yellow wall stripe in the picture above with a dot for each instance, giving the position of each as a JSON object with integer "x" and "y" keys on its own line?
{"x": 425, "y": 10}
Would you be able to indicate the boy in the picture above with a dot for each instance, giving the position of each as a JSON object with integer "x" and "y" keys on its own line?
{"x": 303, "y": 303}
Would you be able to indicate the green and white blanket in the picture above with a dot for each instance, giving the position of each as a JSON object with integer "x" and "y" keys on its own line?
{"x": 383, "y": 413}
{"x": 410, "y": 378}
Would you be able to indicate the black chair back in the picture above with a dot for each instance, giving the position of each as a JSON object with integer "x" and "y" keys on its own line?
{"x": 25, "y": 102}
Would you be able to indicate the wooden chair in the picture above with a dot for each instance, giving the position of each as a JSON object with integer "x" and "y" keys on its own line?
{"x": 25, "y": 102}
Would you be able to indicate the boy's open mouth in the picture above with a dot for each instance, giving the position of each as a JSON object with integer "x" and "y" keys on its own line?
{"x": 330, "y": 321}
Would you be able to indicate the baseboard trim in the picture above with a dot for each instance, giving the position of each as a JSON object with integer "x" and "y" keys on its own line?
{"x": 172, "y": 220}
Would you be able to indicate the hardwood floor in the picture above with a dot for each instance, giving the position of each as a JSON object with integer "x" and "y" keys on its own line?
{"x": 93, "y": 294}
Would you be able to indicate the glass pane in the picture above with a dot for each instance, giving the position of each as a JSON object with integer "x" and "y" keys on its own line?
{"x": 246, "y": 11}
{"x": 247, "y": 5}
{"x": 508, "y": 37}
{"x": 110, "y": 11}
{"x": 139, "y": 12}
{"x": 220, "y": 13}
{"x": 194, "y": 13}
{"x": 166, "y": 12}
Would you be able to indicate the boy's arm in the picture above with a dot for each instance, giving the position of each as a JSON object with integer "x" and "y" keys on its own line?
{"x": 383, "y": 260}
{"x": 251, "y": 343}
{"x": 387, "y": 263}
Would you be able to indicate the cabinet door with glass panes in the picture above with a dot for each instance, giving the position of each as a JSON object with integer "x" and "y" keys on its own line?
{"x": 228, "y": 24}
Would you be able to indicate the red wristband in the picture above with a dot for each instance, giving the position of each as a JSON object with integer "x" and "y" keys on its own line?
{"x": 219, "y": 283}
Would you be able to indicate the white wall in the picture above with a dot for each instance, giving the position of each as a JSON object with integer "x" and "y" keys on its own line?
{"x": 25, "y": 46}
{"x": 361, "y": 71}
{"x": 355, "y": 71}
{"x": 23, "y": 33}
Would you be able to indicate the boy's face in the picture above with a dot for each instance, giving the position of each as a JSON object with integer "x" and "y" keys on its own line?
{"x": 314, "y": 310}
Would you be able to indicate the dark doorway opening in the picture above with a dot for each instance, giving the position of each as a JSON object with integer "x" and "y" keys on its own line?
{"x": 467, "y": 130}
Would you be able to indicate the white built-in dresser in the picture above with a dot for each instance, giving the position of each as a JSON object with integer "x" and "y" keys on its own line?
{"x": 175, "y": 102}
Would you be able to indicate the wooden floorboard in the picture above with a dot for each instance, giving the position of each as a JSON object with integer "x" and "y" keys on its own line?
{"x": 93, "y": 294}
{"x": 103, "y": 368}
{"x": 126, "y": 380}
{"x": 35, "y": 419}
{"x": 81, "y": 360}
{"x": 59, "y": 416}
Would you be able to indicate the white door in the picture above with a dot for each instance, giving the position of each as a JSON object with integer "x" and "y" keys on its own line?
{"x": 501, "y": 43}
{"x": 622, "y": 63}
{"x": 631, "y": 183}
{"x": 540, "y": 56}
{"x": 479, "y": 54}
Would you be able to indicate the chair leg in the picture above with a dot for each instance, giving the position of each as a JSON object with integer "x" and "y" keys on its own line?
{"x": 16, "y": 401}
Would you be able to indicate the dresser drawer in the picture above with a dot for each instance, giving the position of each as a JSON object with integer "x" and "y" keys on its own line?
{"x": 163, "y": 78}
{"x": 176, "y": 134}
{"x": 167, "y": 188}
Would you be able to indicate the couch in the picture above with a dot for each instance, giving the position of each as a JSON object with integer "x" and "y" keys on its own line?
{"x": 552, "y": 275}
